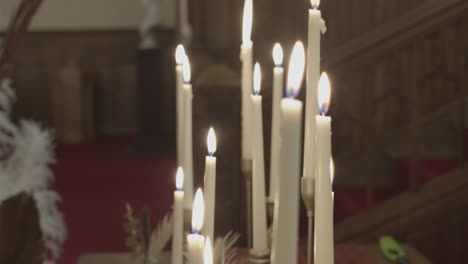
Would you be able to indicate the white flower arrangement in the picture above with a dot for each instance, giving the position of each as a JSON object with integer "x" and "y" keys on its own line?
{"x": 27, "y": 152}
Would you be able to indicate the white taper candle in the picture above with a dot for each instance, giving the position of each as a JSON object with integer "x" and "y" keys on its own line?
{"x": 316, "y": 28}
{"x": 247, "y": 80}
{"x": 210, "y": 186}
{"x": 286, "y": 215}
{"x": 188, "y": 137}
{"x": 178, "y": 228}
{"x": 278, "y": 86}
{"x": 324, "y": 244}
{"x": 180, "y": 57}
{"x": 259, "y": 214}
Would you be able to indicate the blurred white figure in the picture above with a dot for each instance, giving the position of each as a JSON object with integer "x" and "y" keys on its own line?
{"x": 151, "y": 20}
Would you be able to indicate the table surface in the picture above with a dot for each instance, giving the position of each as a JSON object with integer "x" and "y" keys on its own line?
{"x": 124, "y": 258}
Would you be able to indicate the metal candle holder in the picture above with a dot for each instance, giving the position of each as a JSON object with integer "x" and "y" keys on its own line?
{"x": 247, "y": 173}
{"x": 308, "y": 196}
{"x": 259, "y": 257}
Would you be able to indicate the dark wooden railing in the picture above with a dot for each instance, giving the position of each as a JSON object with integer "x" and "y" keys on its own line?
{"x": 392, "y": 81}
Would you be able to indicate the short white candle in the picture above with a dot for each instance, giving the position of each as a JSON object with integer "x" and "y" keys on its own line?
{"x": 260, "y": 244}
{"x": 286, "y": 216}
{"x": 324, "y": 244}
{"x": 178, "y": 228}
{"x": 195, "y": 240}
{"x": 208, "y": 252}
{"x": 210, "y": 186}
{"x": 180, "y": 57}
{"x": 247, "y": 81}
{"x": 316, "y": 28}
{"x": 278, "y": 86}
{"x": 188, "y": 140}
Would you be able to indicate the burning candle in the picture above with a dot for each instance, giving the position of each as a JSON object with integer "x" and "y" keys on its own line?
{"x": 247, "y": 81}
{"x": 278, "y": 84}
{"x": 178, "y": 228}
{"x": 195, "y": 240}
{"x": 316, "y": 27}
{"x": 286, "y": 216}
{"x": 210, "y": 185}
{"x": 260, "y": 244}
{"x": 188, "y": 140}
{"x": 180, "y": 57}
{"x": 324, "y": 251}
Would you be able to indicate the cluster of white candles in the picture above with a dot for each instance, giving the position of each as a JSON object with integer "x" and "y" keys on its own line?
{"x": 286, "y": 148}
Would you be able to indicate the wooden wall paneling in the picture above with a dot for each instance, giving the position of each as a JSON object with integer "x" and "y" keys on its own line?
{"x": 108, "y": 56}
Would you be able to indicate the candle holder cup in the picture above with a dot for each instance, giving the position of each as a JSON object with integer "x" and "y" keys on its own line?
{"x": 308, "y": 196}
{"x": 259, "y": 257}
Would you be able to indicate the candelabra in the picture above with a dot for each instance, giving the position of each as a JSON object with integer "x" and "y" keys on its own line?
{"x": 259, "y": 257}
{"x": 308, "y": 196}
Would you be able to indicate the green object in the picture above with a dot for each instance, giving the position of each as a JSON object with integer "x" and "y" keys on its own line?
{"x": 392, "y": 250}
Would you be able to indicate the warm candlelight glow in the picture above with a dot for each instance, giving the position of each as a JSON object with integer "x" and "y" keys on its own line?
{"x": 257, "y": 79}
{"x": 180, "y": 179}
{"x": 180, "y": 54}
{"x": 296, "y": 70}
{"x": 332, "y": 170}
{"x": 278, "y": 54}
{"x": 247, "y": 22}
{"x": 187, "y": 71}
{"x": 315, "y": 4}
{"x": 198, "y": 211}
{"x": 211, "y": 141}
{"x": 324, "y": 93}
{"x": 208, "y": 252}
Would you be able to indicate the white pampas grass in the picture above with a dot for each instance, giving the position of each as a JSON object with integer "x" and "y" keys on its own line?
{"x": 224, "y": 251}
{"x": 27, "y": 170}
{"x": 160, "y": 237}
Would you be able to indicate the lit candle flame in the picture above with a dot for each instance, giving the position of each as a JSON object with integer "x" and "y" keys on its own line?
{"x": 180, "y": 54}
{"x": 180, "y": 179}
{"x": 187, "y": 71}
{"x": 211, "y": 141}
{"x": 324, "y": 93}
{"x": 278, "y": 54}
{"x": 296, "y": 70}
{"x": 208, "y": 252}
{"x": 257, "y": 79}
{"x": 332, "y": 170}
{"x": 315, "y": 4}
{"x": 198, "y": 211}
{"x": 247, "y": 22}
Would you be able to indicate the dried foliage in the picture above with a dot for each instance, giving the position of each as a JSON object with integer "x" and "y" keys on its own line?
{"x": 224, "y": 251}
{"x": 146, "y": 245}
{"x": 132, "y": 227}
{"x": 160, "y": 237}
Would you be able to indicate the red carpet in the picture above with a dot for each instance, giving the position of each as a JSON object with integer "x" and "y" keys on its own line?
{"x": 95, "y": 180}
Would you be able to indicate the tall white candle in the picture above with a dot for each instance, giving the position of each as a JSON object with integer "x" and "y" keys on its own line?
{"x": 188, "y": 140}
{"x": 260, "y": 244}
{"x": 178, "y": 228}
{"x": 208, "y": 252}
{"x": 324, "y": 244}
{"x": 278, "y": 86}
{"x": 286, "y": 216}
{"x": 195, "y": 240}
{"x": 180, "y": 57}
{"x": 316, "y": 27}
{"x": 210, "y": 186}
{"x": 247, "y": 81}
